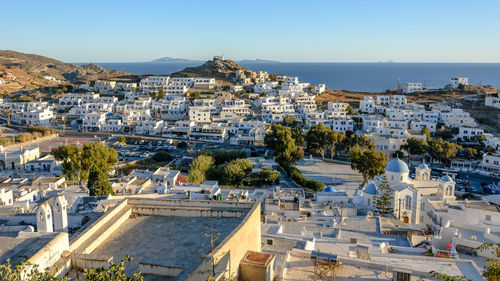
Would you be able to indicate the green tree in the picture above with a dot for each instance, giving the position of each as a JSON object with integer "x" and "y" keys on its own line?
{"x": 76, "y": 162}
{"x": 122, "y": 139}
{"x": 234, "y": 173}
{"x": 289, "y": 121}
{"x": 298, "y": 136}
{"x": 98, "y": 183}
{"x": 281, "y": 141}
{"x": 443, "y": 151}
{"x": 368, "y": 162}
{"x": 71, "y": 165}
{"x": 160, "y": 95}
{"x": 194, "y": 95}
{"x": 115, "y": 272}
{"x": 199, "y": 168}
{"x": 319, "y": 138}
{"x": 382, "y": 202}
{"x": 415, "y": 146}
{"x": 223, "y": 156}
{"x": 350, "y": 111}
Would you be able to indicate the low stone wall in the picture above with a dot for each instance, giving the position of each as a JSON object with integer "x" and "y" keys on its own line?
{"x": 49, "y": 137}
{"x": 186, "y": 212}
{"x": 246, "y": 237}
{"x": 82, "y": 261}
{"x": 79, "y": 239}
{"x": 49, "y": 254}
{"x": 160, "y": 270}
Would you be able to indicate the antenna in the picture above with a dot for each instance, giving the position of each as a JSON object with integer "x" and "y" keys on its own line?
{"x": 399, "y": 83}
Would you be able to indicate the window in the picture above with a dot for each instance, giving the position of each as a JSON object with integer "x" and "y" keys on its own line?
{"x": 408, "y": 202}
{"x": 488, "y": 218}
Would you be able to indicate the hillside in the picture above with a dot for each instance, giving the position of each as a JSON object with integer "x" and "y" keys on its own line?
{"x": 224, "y": 71}
{"x": 29, "y": 70}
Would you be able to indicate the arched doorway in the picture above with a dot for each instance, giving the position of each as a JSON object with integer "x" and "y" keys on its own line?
{"x": 406, "y": 219}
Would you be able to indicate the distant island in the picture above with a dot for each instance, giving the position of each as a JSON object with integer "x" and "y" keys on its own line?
{"x": 175, "y": 60}
{"x": 183, "y": 60}
{"x": 258, "y": 61}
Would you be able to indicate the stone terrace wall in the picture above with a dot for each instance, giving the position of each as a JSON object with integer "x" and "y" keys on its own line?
{"x": 229, "y": 253}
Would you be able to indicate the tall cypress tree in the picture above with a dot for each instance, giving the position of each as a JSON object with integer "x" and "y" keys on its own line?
{"x": 383, "y": 199}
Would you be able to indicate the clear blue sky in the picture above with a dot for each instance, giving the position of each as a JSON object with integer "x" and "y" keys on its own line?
{"x": 285, "y": 30}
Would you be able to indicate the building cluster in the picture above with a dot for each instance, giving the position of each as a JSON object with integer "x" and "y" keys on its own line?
{"x": 268, "y": 231}
{"x": 455, "y": 83}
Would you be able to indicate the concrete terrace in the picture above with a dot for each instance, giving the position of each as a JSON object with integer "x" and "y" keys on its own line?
{"x": 168, "y": 241}
{"x": 165, "y": 237}
{"x": 330, "y": 172}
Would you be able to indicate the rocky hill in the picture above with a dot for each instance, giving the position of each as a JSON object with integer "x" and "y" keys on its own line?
{"x": 224, "y": 71}
{"x": 29, "y": 71}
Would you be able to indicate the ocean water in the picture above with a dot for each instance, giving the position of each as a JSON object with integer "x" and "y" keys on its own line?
{"x": 365, "y": 77}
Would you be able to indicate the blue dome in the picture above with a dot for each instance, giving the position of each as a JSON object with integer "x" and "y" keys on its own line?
{"x": 329, "y": 189}
{"x": 423, "y": 166}
{"x": 370, "y": 189}
{"x": 446, "y": 178}
{"x": 397, "y": 166}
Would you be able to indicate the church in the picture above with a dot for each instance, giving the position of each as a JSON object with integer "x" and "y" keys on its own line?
{"x": 409, "y": 195}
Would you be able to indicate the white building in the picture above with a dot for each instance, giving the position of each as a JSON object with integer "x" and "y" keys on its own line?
{"x": 104, "y": 86}
{"x": 409, "y": 194}
{"x": 93, "y": 121}
{"x": 492, "y": 101}
{"x": 412, "y": 87}
{"x": 457, "y": 81}
{"x": 469, "y": 133}
{"x": 319, "y": 89}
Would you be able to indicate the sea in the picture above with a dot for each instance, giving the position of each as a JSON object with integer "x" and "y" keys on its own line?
{"x": 363, "y": 77}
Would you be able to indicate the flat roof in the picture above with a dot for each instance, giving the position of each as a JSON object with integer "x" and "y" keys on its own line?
{"x": 167, "y": 241}
{"x": 18, "y": 249}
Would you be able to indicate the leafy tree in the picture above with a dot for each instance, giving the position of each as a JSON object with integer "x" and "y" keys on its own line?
{"x": 223, "y": 156}
{"x": 280, "y": 139}
{"x": 76, "y": 162}
{"x": 199, "y": 168}
{"x": 115, "y": 272}
{"x": 425, "y": 131}
{"x": 298, "y": 136}
{"x": 398, "y": 154}
{"x": 319, "y": 138}
{"x": 194, "y": 95}
{"x": 160, "y": 95}
{"x": 122, "y": 139}
{"x": 71, "y": 165}
{"x": 368, "y": 162}
{"x": 443, "y": 151}
{"x": 289, "y": 121}
{"x": 350, "y": 111}
{"x": 415, "y": 146}
{"x": 25, "y": 271}
{"x": 234, "y": 173}
{"x": 383, "y": 199}
{"x": 98, "y": 183}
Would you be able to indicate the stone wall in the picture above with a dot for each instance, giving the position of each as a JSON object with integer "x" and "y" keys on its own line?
{"x": 246, "y": 237}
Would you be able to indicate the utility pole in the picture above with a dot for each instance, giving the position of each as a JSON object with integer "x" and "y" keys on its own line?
{"x": 214, "y": 236}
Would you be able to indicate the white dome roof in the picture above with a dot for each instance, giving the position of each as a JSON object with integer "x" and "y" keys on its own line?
{"x": 423, "y": 166}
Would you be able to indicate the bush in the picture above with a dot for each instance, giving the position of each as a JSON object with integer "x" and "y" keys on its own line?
{"x": 162, "y": 156}
{"x": 223, "y": 156}
{"x": 301, "y": 180}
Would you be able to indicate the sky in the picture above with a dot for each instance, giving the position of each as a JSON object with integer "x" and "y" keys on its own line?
{"x": 283, "y": 30}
